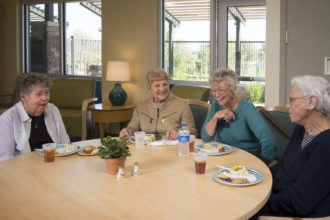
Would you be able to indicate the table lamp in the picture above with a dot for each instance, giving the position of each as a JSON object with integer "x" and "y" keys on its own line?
{"x": 118, "y": 71}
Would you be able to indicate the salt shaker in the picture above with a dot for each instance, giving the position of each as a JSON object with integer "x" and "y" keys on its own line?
{"x": 136, "y": 169}
{"x": 121, "y": 172}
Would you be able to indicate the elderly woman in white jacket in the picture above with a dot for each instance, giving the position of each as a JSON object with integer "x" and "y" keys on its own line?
{"x": 33, "y": 121}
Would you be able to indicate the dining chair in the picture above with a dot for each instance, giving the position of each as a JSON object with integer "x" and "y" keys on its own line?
{"x": 72, "y": 97}
{"x": 199, "y": 110}
{"x": 278, "y": 120}
{"x": 188, "y": 92}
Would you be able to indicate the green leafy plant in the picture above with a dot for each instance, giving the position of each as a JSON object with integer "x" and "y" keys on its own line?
{"x": 256, "y": 91}
{"x": 113, "y": 148}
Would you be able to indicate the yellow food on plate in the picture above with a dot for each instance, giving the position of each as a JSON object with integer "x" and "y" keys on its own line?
{"x": 221, "y": 147}
{"x": 95, "y": 151}
{"x": 239, "y": 180}
{"x": 238, "y": 170}
{"x": 207, "y": 146}
{"x": 149, "y": 138}
{"x": 70, "y": 148}
{"x": 88, "y": 149}
{"x": 223, "y": 176}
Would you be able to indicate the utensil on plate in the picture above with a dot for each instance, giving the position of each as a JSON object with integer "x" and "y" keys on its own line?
{"x": 222, "y": 167}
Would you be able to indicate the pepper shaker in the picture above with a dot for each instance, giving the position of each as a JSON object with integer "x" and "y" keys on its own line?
{"x": 121, "y": 172}
{"x": 137, "y": 170}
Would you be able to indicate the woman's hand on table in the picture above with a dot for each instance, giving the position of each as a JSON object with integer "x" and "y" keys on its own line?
{"x": 172, "y": 135}
{"x": 125, "y": 132}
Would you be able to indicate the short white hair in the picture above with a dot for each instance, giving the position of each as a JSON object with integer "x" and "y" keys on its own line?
{"x": 315, "y": 86}
{"x": 223, "y": 74}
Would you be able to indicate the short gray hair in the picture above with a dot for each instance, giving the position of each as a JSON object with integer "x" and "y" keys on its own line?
{"x": 25, "y": 83}
{"x": 156, "y": 74}
{"x": 315, "y": 86}
{"x": 223, "y": 75}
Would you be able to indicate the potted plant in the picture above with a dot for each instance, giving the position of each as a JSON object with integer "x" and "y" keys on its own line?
{"x": 114, "y": 153}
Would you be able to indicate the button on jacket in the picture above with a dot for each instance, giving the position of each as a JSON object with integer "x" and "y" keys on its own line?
{"x": 154, "y": 117}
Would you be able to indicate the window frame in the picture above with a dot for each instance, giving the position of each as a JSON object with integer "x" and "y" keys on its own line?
{"x": 26, "y": 58}
{"x": 218, "y": 40}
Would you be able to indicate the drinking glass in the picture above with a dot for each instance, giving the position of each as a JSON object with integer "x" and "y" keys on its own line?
{"x": 139, "y": 138}
{"x": 191, "y": 143}
{"x": 200, "y": 162}
{"x": 49, "y": 152}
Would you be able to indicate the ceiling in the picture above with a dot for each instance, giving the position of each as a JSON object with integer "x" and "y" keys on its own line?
{"x": 199, "y": 10}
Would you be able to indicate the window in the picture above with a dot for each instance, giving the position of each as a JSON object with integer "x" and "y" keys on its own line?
{"x": 63, "y": 38}
{"x": 200, "y": 36}
{"x": 187, "y": 40}
{"x": 246, "y": 41}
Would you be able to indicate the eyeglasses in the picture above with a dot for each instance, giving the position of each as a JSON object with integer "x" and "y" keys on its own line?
{"x": 292, "y": 99}
{"x": 219, "y": 91}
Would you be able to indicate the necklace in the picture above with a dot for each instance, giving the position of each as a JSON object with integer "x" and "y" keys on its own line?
{"x": 37, "y": 121}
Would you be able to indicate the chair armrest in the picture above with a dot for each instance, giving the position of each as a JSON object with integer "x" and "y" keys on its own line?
{"x": 84, "y": 107}
{"x": 274, "y": 121}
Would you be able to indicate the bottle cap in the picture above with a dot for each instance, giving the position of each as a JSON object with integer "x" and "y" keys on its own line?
{"x": 184, "y": 125}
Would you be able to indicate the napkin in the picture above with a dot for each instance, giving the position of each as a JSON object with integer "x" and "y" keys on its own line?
{"x": 163, "y": 142}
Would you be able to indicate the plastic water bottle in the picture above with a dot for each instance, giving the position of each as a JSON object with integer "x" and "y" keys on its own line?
{"x": 183, "y": 145}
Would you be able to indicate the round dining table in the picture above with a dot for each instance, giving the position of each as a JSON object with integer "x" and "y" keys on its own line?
{"x": 79, "y": 187}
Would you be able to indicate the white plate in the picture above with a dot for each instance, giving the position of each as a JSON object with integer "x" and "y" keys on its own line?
{"x": 256, "y": 173}
{"x": 60, "y": 150}
{"x": 214, "y": 150}
{"x": 132, "y": 139}
{"x": 81, "y": 153}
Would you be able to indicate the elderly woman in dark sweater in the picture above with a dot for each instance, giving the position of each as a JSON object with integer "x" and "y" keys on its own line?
{"x": 301, "y": 179}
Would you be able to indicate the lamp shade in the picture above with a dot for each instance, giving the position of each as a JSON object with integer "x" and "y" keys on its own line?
{"x": 118, "y": 71}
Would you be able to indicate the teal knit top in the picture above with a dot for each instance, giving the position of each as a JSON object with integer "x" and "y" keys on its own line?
{"x": 247, "y": 131}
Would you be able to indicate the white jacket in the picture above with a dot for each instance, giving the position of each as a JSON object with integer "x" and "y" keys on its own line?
{"x": 15, "y": 129}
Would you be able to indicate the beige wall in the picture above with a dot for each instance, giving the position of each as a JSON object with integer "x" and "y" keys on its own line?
{"x": 130, "y": 31}
{"x": 9, "y": 44}
{"x": 275, "y": 52}
{"x": 308, "y": 26}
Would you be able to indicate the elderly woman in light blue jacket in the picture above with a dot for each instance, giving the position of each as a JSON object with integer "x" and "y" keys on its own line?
{"x": 33, "y": 121}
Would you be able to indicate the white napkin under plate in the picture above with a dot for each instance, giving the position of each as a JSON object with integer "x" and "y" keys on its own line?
{"x": 163, "y": 142}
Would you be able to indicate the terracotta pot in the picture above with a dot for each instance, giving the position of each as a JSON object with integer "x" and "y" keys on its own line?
{"x": 114, "y": 164}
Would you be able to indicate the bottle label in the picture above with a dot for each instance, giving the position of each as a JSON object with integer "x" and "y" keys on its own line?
{"x": 183, "y": 138}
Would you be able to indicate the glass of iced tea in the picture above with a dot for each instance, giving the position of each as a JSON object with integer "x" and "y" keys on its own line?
{"x": 191, "y": 143}
{"x": 200, "y": 162}
{"x": 49, "y": 152}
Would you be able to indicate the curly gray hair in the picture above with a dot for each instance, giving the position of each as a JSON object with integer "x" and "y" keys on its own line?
{"x": 223, "y": 75}
{"x": 315, "y": 86}
{"x": 25, "y": 83}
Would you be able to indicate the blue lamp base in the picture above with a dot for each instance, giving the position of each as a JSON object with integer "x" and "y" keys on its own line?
{"x": 117, "y": 95}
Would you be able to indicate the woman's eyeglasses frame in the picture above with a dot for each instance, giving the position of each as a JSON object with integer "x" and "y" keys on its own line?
{"x": 219, "y": 90}
{"x": 292, "y": 99}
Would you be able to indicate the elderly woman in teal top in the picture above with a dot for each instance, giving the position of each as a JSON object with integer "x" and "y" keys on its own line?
{"x": 236, "y": 120}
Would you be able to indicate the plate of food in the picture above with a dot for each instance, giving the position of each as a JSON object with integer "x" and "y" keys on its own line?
{"x": 147, "y": 139}
{"x": 214, "y": 148}
{"x": 238, "y": 176}
{"x": 64, "y": 149}
{"x": 88, "y": 150}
